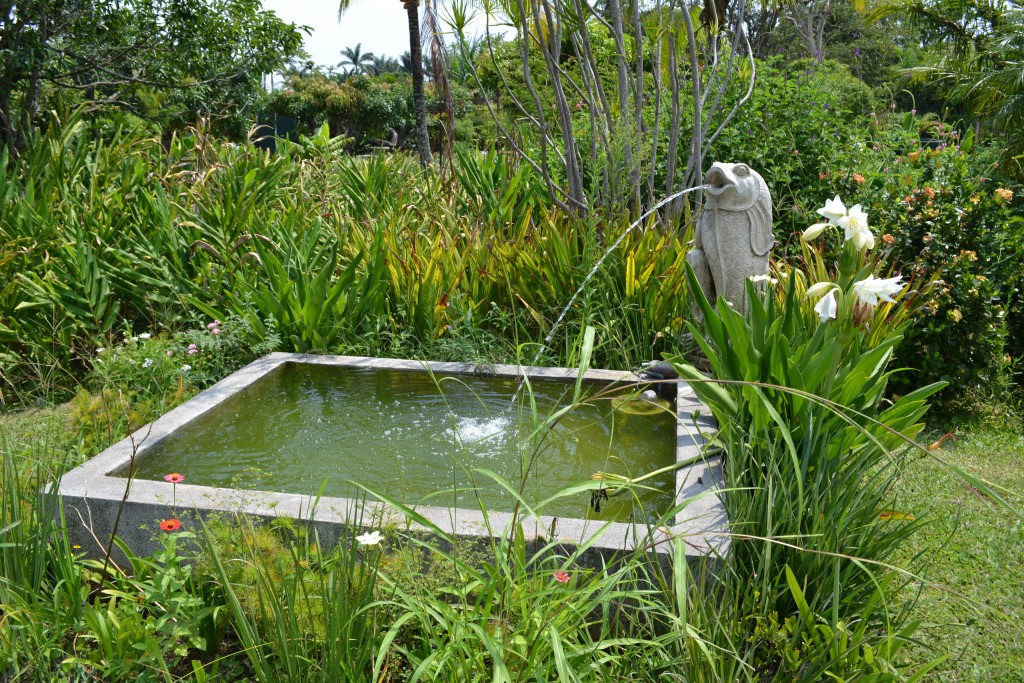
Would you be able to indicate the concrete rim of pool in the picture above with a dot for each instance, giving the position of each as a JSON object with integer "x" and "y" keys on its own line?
{"x": 92, "y": 495}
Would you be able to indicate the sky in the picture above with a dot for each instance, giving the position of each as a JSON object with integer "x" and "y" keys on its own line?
{"x": 382, "y": 26}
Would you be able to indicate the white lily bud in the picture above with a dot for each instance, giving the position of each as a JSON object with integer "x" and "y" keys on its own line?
{"x": 813, "y": 231}
{"x": 819, "y": 289}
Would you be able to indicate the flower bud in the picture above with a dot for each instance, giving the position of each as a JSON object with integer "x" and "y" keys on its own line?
{"x": 813, "y": 231}
{"x": 818, "y": 289}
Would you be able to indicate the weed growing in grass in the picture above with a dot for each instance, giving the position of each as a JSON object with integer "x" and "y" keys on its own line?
{"x": 148, "y": 620}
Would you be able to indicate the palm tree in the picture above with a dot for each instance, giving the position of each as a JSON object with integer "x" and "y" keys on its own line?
{"x": 355, "y": 58}
{"x": 384, "y": 65}
{"x": 405, "y": 60}
{"x": 412, "y": 8}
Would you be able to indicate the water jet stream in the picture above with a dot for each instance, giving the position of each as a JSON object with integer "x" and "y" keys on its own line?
{"x": 593, "y": 271}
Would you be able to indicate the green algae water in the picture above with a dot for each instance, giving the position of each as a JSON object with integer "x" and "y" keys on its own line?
{"x": 304, "y": 428}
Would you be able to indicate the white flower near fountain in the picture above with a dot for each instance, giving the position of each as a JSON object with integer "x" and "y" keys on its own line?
{"x": 826, "y": 308}
{"x": 370, "y": 538}
{"x": 833, "y": 210}
{"x": 853, "y": 221}
{"x": 871, "y": 289}
{"x": 867, "y": 292}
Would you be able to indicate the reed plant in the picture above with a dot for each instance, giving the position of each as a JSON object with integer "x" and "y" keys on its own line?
{"x": 301, "y": 610}
{"x": 41, "y": 584}
{"x": 812, "y": 453}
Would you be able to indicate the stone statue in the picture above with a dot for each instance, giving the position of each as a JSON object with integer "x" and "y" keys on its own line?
{"x": 734, "y": 233}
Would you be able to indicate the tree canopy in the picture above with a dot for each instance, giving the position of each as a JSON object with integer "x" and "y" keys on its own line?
{"x": 164, "y": 59}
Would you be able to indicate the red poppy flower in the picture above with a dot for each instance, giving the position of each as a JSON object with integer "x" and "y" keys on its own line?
{"x": 170, "y": 525}
{"x": 174, "y": 478}
{"x": 562, "y": 577}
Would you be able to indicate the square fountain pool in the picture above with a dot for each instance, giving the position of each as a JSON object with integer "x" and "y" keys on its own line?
{"x": 316, "y": 437}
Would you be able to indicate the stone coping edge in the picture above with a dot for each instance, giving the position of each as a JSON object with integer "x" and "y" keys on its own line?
{"x": 91, "y": 496}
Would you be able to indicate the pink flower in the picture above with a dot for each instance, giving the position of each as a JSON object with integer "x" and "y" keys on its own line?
{"x": 562, "y": 577}
{"x": 214, "y": 325}
{"x": 169, "y": 353}
{"x": 174, "y": 477}
{"x": 215, "y": 330}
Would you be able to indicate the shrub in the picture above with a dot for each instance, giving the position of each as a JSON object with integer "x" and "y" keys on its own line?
{"x": 801, "y": 118}
{"x": 941, "y": 214}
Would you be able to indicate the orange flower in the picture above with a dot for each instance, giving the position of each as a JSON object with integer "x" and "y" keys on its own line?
{"x": 170, "y": 525}
{"x": 858, "y": 178}
{"x": 174, "y": 477}
{"x": 888, "y": 239}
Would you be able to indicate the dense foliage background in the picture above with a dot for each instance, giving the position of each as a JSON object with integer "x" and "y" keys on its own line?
{"x": 165, "y": 219}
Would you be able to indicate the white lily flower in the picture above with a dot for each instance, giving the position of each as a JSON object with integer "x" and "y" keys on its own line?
{"x": 818, "y": 289}
{"x": 862, "y": 239}
{"x": 855, "y": 223}
{"x": 826, "y": 308}
{"x": 833, "y": 210}
{"x": 871, "y": 289}
{"x": 370, "y": 538}
{"x": 813, "y": 231}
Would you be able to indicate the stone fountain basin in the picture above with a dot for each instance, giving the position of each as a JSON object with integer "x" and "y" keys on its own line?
{"x": 92, "y": 494}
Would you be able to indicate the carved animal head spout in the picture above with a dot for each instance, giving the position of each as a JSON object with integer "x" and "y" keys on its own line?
{"x": 733, "y": 234}
{"x": 734, "y": 187}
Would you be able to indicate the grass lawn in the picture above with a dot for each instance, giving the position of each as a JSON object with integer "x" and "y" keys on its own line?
{"x": 974, "y": 608}
{"x": 40, "y": 437}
